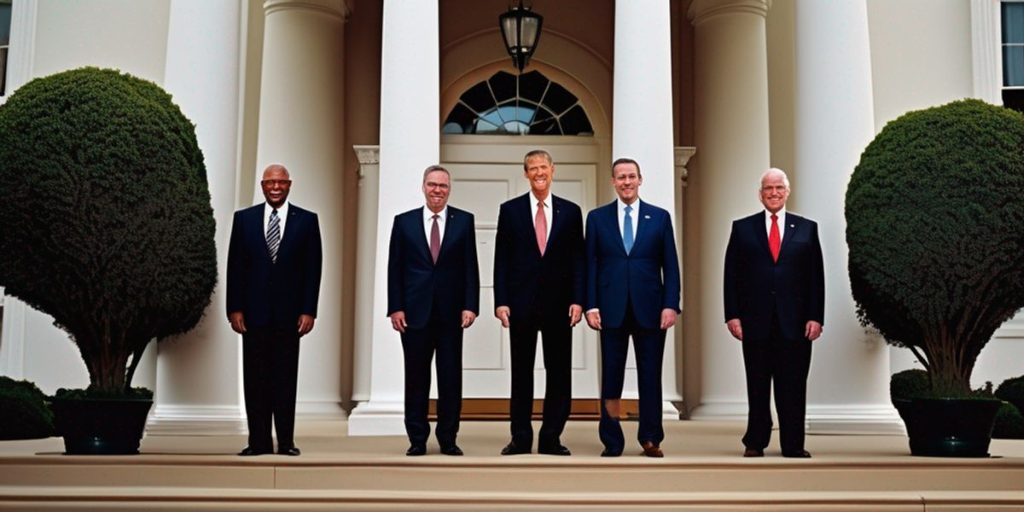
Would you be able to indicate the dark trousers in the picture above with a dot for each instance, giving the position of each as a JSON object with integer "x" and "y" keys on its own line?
{"x": 649, "y": 349}
{"x": 270, "y": 369}
{"x": 443, "y": 338}
{"x": 786, "y": 362}
{"x": 556, "y": 336}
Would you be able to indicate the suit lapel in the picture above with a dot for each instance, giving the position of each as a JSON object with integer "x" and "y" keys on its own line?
{"x": 449, "y": 232}
{"x": 556, "y": 218}
{"x": 416, "y": 224}
{"x": 289, "y": 231}
{"x": 640, "y": 221}
{"x": 760, "y": 233}
{"x": 793, "y": 223}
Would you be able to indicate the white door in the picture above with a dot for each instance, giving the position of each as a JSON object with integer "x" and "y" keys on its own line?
{"x": 480, "y": 188}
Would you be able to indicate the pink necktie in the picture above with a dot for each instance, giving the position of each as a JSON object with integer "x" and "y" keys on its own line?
{"x": 774, "y": 240}
{"x": 435, "y": 240}
{"x": 540, "y": 225}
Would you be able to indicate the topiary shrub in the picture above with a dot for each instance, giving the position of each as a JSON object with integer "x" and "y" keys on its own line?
{"x": 107, "y": 219}
{"x": 909, "y": 384}
{"x": 935, "y": 230}
{"x": 26, "y": 415}
{"x": 1012, "y": 390}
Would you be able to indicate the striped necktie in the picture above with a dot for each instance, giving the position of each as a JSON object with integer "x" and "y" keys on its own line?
{"x": 273, "y": 235}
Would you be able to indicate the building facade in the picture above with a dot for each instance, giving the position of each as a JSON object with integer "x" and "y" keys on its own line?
{"x": 357, "y": 97}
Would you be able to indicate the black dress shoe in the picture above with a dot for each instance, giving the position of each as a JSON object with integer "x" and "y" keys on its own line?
{"x": 608, "y": 453}
{"x": 802, "y": 454}
{"x": 753, "y": 452}
{"x": 292, "y": 452}
{"x": 556, "y": 449}
{"x": 249, "y": 452}
{"x": 416, "y": 450}
{"x": 452, "y": 449}
{"x": 514, "y": 449}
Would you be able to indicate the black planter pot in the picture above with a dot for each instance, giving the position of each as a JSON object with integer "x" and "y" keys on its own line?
{"x": 948, "y": 427}
{"x": 101, "y": 426}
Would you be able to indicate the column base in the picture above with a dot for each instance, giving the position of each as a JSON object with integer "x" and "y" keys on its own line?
{"x": 669, "y": 412}
{"x": 720, "y": 411}
{"x": 377, "y": 418}
{"x": 854, "y": 419}
{"x": 196, "y": 420}
{"x": 313, "y": 410}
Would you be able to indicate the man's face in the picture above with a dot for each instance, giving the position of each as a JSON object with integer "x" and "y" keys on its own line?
{"x": 276, "y": 184}
{"x": 539, "y": 172}
{"x": 436, "y": 187}
{"x": 626, "y": 180}
{"x": 774, "y": 192}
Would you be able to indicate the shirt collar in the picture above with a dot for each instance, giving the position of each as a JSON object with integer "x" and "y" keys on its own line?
{"x": 622, "y": 205}
{"x": 429, "y": 215}
{"x": 781, "y": 214}
{"x": 535, "y": 199}
{"x": 281, "y": 210}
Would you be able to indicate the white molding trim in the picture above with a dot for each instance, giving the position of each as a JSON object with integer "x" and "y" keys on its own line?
{"x": 377, "y": 419}
{"x": 335, "y": 8}
{"x": 12, "y": 339}
{"x": 720, "y": 411}
{"x": 1010, "y": 333}
{"x": 23, "y": 45}
{"x": 986, "y": 51}
{"x": 196, "y": 420}
{"x": 854, "y": 419}
{"x": 319, "y": 410}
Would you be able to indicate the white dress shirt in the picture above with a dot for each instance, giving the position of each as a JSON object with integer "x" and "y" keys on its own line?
{"x": 282, "y": 213}
{"x": 634, "y": 214}
{"x": 428, "y": 222}
{"x": 781, "y": 220}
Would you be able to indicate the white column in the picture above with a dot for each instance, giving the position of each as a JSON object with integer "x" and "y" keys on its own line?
{"x": 366, "y": 262}
{"x": 731, "y": 117}
{"x": 642, "y": 129}
{"x": 986, "y": 52}
{"x": 301, "y": 126}
{"x": 409, "y": 142}
{"x": 848, "y": 385}
{"x": 197, "y": 376}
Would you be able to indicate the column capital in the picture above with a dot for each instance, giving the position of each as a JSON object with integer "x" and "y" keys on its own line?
{"x": 703, "y": 10}
{"x": 681, "y": 156}
{"x": 337, "y": 8}
{"x": 367, "y": 155}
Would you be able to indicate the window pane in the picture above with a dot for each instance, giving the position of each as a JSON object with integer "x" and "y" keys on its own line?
{"x": 1014, "y": 98}
{"x": 1013, "y": 22}
{"x": 532, "y": 86}
{"x": 558, "y": 99}
{"x": 1013, "y": 65}
{"x": 503, "y": 85}
{"x": 575, "y": 122}
{"x": 479, "y": 97}
{"x": 461, "y": 116}
{"x": 5, "y": 23}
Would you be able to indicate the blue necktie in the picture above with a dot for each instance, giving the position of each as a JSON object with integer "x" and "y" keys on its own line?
{"x": 627, "y": 230}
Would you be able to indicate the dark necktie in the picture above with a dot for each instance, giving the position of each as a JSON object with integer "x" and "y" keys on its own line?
{"x": 435, "y": 239}
{"x": 273, "y": 235}
{"x": 774, "y": 240}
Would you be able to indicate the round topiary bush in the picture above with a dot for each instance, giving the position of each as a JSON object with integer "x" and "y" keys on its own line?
{"x": 26, "y": 415}
{"x": 1012, "y": 390}
{"x": 909, "y": 384}
{"x": 935, "y": 229}
{"x": 107, "y": 218}
{"x": 1009, "y": 423}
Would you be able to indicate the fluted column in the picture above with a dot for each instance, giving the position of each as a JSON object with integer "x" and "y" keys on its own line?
{"x": 731, "y": 116}
{"x": 197, "y": 375}
{"x": 642, "y": 130}
{"x": 301, "y": 126}
{"x": 834, "y": 121}
{"x": 409, "y": 142}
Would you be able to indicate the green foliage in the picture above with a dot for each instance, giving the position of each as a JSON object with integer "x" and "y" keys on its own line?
{"x": 1012, "y": 390}
{"x": 26, "y": 414}
{"x": 107, "y": 218}
{"x": 93, "y": 394}
{"x": 935, "y": 229}
{"x": 909, "y": 384}
{"x": 1009, "y": 423}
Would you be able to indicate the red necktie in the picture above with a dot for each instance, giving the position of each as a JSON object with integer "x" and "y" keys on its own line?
{"x": 435, "y": 240}
{"x": 540, "y": 225}
{"x": 774, "y": 240}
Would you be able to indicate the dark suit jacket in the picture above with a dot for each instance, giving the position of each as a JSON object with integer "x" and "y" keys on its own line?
{"x": 416, "y": 284}
{"x": 528, "y": 283}
{"x": 647, "y": 277}
{"x": 756, "y": 288}
{"x": 268, "y": 293}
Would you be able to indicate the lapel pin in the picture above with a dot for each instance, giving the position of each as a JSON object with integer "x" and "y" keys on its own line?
{"x": 647, "y": 216}
{"x": 792, "y": 225}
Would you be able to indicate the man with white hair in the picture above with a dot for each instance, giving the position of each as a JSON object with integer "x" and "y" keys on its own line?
{"x": 775, "y": 305}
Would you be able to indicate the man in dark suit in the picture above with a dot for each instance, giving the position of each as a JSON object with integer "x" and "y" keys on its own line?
{"x": 539, "y": 286}
{"x": 274, "y": 266}
{"x": 433, "y": 295}
{"x": 775, "y": 305}
{"x": 632, "y": 291}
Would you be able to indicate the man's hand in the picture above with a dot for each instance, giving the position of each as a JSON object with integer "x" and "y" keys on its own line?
{"x": 467, "y": 318}
{"x": 812, "y": 330}
{"x": 668, "y": 318}
{"x": 502, "y": 313}
{"x": 398, "y": 321}
{"x": 575, "y": 314}
{"x": 594, "y": 320}
{"x": 735, "y": 328}
{"x": 305, "y": 324}
{"x": 237, "y": 320}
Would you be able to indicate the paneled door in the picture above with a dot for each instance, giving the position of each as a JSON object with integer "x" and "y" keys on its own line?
{"x": 481, "y": 188}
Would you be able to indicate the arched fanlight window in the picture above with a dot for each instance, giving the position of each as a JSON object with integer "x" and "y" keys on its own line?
{"x": 531, "y": 105}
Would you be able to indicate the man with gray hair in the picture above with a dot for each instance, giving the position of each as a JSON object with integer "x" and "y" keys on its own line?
{"x": 775, "y": 305}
